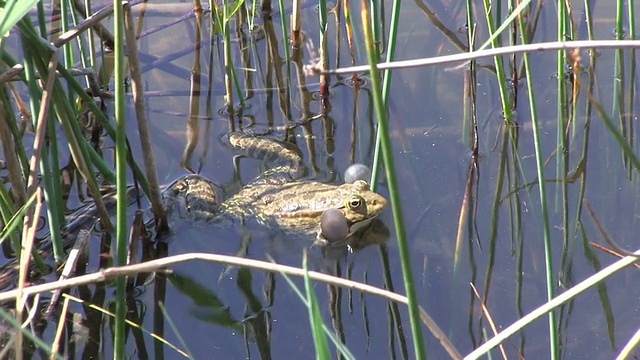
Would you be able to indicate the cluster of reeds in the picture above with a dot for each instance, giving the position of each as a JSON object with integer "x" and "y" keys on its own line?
{"x": 56, "y": 95}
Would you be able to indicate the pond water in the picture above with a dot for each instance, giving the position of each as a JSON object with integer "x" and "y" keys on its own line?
{"x": 211, "y": 311}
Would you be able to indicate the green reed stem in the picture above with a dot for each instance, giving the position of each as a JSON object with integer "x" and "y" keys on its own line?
{"x": 221, "y": 18}
{"x": 228, "y": 64}
{"x": 315, "y": 320}
{"x": 470, "y": 88}
{"x": 50, "y": 165}
{"x": 561, "y": 91}
{"x": 35, "y": 54}
{"x": 13, "y": 11}
{"x": 315, "y": 317}
{"x": 565, "y": 111}
{"x": 8, "y": 210}
{"x": 8, "y": 109}
{"x": 553, "y": 333}
{"x": 618, "y": 79}
{"x": 96, "y": 160}
{"x": 632, "y": 90}
{"x": 632, "y": 19}
{"x": 377, "y": 26}
{"x": 121, "y": 178}
{"x": 495, "y": 34}
{"x": 500, "y": 73}
{"x": 50, "y": 170}
{"x": 387, "y": 153}
{"x": 386, "y": 86}
{"x": 85, "y": 48}
{"x": 626, "y": 148}
{"x": 588, "y": 113}
{"x": 283, "y": 28}
{"x": 41, "y": 49}
{"x": 230, "y": 13}
{"x": 12, "y": 148}
{"x": 41, "y": 20}
{"x": 14, "y": 219}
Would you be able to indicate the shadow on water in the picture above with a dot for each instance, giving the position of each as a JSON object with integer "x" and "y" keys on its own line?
{"x": 469, "y": 191}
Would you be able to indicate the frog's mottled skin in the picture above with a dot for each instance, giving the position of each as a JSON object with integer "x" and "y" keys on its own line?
{"x": 276, "y": 198}
{"x": 293, "y": 206}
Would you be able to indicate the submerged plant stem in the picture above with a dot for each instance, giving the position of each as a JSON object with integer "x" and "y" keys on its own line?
{"x": 553, "y": 328}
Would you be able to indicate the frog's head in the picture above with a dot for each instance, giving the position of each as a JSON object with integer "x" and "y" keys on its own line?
{"x": 359, "y": 208}
{"x": 361, "y": 205}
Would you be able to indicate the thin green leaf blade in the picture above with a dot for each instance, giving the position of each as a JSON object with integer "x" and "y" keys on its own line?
{"x": 12, "y": 12}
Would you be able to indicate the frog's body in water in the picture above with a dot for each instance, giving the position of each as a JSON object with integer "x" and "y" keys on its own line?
{"x": 276, "y": 198}
{"x": 294, "y": 207}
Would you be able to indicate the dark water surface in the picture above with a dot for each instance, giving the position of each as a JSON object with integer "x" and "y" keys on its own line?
{"x": 215, "y": 312}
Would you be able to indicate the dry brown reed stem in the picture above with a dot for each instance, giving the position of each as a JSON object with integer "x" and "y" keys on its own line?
{"x": 29, "y": 228}
{"x": 296, "y": 25}
{"x": 41, "y": 125}
{"x": 100, "y": 30}
{"x": 466, "y": 210}
{"x": 265, "y": 7}
{"x": 61, "y": 326}
{"x": 143, "y": 124}
{"x": 194, "y": 119}
{"x": 9, "y": 346}
{"x": 161, "y": 265}
{"x": 11, "y": 73}
{"x": 348, "y": 23}
{"x": 610, "y": 252}
{"x": 91, "y": 21}
{"x": 604, "y": 233}
{"x": 487, "y": 314}
{"x": 77, "y": 319}
{"x": 30, "y": 224}
{"x": 69, "y": 267}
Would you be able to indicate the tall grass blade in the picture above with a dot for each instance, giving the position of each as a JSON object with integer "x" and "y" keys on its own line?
{"x": 315, "y": 318}
{"x": 386, "y": 86}
{"x": 504, "y": 25}
{"x": 603, "y": 293}
{"x": 553, "y": 328}
{"x": 387, "y": 152}
{"x": 314, "y": 321}
{"x": 500, "y": 71}
{"x": 12, "y": 12}
{"x": 121, "y": 178}
{"x": 15, "y": 221}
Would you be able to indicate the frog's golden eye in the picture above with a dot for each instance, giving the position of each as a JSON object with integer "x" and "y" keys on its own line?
{"x": 356, "y": 203}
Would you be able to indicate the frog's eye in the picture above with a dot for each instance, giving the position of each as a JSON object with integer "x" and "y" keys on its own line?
{"x": 356, "y": 203}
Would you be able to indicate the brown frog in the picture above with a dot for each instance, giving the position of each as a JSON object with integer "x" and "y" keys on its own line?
{"x": 276, "y": 199}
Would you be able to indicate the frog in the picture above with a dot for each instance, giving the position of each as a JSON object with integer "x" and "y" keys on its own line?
{"x": 279, "y": 198}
